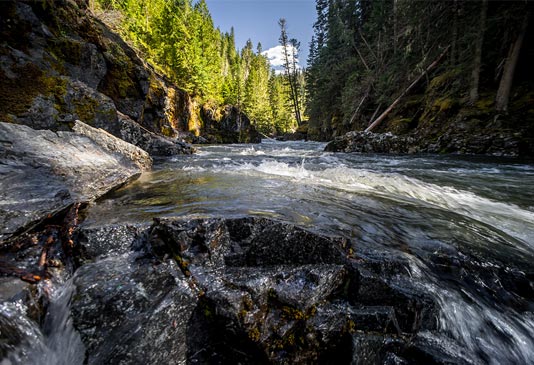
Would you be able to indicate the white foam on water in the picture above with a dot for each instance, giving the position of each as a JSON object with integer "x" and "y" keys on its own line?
{"x": 509, "y": 218}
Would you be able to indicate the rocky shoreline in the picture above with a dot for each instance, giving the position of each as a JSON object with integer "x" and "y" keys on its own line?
{"x": 215, "y": 290}
{"x": 495, "y": 144}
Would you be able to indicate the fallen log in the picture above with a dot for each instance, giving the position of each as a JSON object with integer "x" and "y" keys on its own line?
{"x": 406, "y": 91}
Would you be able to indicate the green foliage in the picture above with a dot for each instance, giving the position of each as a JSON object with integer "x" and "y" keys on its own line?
{"x": 364, "y": 54}
{"x": 179, "y": 39}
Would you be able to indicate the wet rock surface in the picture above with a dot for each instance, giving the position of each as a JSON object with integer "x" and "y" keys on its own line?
{"x": 43, "y": 172}
{"x": 239, "y": 291}
{"x": 247, "y": 290}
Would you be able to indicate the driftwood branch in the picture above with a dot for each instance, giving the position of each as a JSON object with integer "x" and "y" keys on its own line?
{"x": 382, "y": 116}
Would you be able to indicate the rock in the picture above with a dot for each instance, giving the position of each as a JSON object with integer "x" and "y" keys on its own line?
{"x": 115, "y": 145}
{"x": 368, "y": 142}
{"x": 154, "y": 144}
{"x": 301, "y": 134}
{"x": 114, "y": 240}
{"x": 278, "y": 293}
{"x": 132, "y": 311}
{"x": 247, "y": 290}
{"x": 43, "y": 172}
{"x": 228, "y": 125}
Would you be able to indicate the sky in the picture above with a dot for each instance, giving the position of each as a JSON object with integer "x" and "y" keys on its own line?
{"x": 258, "y": 20}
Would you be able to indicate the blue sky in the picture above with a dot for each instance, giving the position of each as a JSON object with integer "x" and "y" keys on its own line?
{"x": 258, "y": 20}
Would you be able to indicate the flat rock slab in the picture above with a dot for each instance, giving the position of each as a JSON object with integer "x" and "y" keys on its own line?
{"x": 42, "y": 172}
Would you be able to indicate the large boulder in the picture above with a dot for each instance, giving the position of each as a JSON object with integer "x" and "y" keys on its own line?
{"x": 239, "y": 291}
{"x": 227, "y": 125}
{"x": 154, "y": 144}
{"x": 43, "y": 172}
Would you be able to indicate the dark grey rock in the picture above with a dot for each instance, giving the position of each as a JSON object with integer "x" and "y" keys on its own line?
{"x": 368, "y": 142}
{"x": 154, "y": 144}
{"x": 282, "y": 294}
{"x": 245, "y": 290}
{"x": 42, "y": 172}
{"x": 133, "y": 311}
{"x": 101, "y": 242}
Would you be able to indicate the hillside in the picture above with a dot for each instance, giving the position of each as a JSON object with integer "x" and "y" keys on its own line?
{"x": 59, "y": 64}
{"x": 462, "y": 71}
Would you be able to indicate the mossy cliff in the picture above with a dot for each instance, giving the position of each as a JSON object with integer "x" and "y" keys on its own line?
{"x": 58, "y": 63}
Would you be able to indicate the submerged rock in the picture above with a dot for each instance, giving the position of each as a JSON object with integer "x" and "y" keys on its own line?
{"x": 241, "y": 291}
{"x": 42, "y": 172}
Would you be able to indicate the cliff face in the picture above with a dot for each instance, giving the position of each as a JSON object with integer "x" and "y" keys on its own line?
{"x": 58, "y": 63}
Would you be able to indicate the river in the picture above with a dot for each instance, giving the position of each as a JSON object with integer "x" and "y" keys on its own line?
{"x": 462, "y": 226}
{"x": 478, "y": 210}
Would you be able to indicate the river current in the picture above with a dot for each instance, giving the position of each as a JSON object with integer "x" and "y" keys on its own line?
{"x": 462, "y": 227}
{"x": 409, "y": 207}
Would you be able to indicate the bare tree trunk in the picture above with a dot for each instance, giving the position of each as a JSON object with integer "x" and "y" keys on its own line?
{"x": 296, "y": 83}
{"x": 375, "y": 113}
{"x": 358, "y": 108}
{"x": 475, "y": 74}
{"x": 406, "y": 91}
{"x": 284, "y": 41}
{"x": 503, "y": 94}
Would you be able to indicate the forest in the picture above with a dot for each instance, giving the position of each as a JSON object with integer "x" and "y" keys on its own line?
{"x": 364, "y": 54}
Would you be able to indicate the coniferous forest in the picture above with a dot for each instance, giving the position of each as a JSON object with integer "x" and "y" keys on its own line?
{"x": 446, "y": 62}
{"x": 364, "y": 54}
{"x": 179, "y": 39}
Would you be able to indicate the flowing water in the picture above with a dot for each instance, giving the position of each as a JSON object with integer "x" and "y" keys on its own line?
{"x": 414, "y": 207}
{"x": 477, "y": 211}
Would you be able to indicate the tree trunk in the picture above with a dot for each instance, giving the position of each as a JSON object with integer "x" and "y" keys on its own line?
{"x": 503, "y": 94}
{"x": 475, "y": 74}
{"x": 284, "y": 42}
{"x": 394, "y": 104}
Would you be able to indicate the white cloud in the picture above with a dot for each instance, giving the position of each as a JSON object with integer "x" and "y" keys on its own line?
{"x": 275, "y": 55}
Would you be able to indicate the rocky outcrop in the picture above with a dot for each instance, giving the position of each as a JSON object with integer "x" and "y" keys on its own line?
{"x": 245, "y": 290}
{"x": 154, "y": 144}
{"x": 227, "y": 125}
{"x": 43, "y": 172}
{"x": 495, "y": 143}
{"x": 301, "y": 134}
{"x": 239, "y": 291}
{"x": 58, "y": 63}
{"x": 368, "y": 142}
